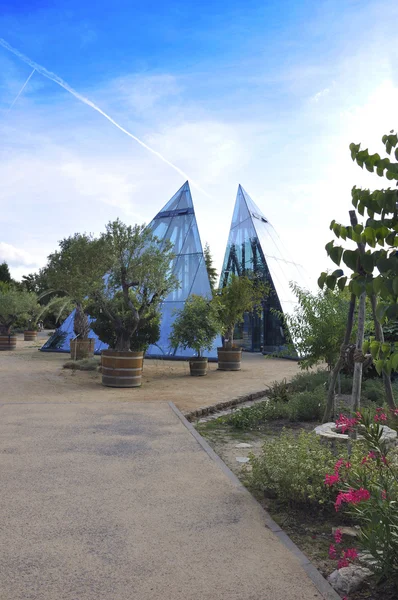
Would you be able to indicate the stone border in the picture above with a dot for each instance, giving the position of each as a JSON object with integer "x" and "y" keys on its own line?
{"x": 207, "y": 410}
{"x": 325, "y": 589}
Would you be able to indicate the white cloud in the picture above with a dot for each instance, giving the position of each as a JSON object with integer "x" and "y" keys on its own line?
{"x": 16, "y": 257}
{"x": 320, "y": 95}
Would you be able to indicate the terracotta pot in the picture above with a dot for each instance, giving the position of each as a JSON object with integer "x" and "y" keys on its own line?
{"x": 121, "y": 369}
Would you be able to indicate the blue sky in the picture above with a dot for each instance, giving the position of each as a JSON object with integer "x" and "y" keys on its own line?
{"x": 266, "y": 94}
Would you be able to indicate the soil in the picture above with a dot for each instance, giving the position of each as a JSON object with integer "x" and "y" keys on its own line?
{"x": 310, "y": 531}
{"x": 29, "y": 375}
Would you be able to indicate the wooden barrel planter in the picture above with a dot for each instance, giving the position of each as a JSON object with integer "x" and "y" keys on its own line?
{"x": 198, "y": 366}
{"x": 229, "y": 359}
{"x": 8, "y": 342}
{"x": 29, "y": 336}
{"x": 121, "y": 369}
{"x": 80, "y": 349}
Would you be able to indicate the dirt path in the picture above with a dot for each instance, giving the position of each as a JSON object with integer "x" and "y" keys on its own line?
{"x": 28, "y": 375}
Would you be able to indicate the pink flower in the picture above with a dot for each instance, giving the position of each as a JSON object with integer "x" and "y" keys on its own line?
{"x": 384, "y": 460}
{"x": 338, "y": 465}
{"x": 384, "y": 495}
{"x": 379, "y": 409}
{"x": 348, "y": 465}
{"x": 351, "y": 554}
{"x": 380, "y": 417}
{"x": 344, "y": 423}
{"x": 394, "y": 411}
{"x": 331, "y": 479}
{"x": 343, "y": 562}
{"x": 352, "y": 497}
{"x": 332, "y": 551}
{"x": 338, "y": 536}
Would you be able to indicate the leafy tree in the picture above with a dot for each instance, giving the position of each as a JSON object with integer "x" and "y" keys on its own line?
{"x": 5, "y": 275}
{"x": 147, "y": 334}
{"x": 138, "y": 279}
{"x": 14, "y": 305}
{"x": 240, "y": 295}
{"x": 317, "y": 325}
{"x": 76, "y": 269}
{"x": 374, "y": 263}
{"x": 211, "y": 271}
{"x": 196, "y": 325}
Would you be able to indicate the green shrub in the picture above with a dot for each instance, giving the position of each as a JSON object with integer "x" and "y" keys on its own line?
{"x": 307, "y": 381}
{"x": 307, "y": 406}
{"x": 254, "y": 416}
{"x": 279, "y": 391}
{"x": 373, "y": 390}
{"x": 294, "y": 469}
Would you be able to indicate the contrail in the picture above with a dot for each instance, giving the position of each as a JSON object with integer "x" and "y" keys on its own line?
{"x": 20, "y": 91}
{"x": 43, "y": 71}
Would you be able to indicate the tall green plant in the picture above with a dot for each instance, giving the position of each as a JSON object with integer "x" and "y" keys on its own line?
{"x": 239, "y": 296}
{"x": 76, "y": 269}
{"x": 317, "y": 325}
{"x": 211, "y": 270}
{"x": 196, "y": 325}
{"x": 139, "y": 277}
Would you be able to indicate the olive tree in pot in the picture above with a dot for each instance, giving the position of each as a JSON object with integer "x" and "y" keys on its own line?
{"x": 195, "y": 326}
{"x": 239, "y": 296}
{"x": 138, "y": 279}
{"x": 14, "y": 305}
{"x": 77, "y": 269}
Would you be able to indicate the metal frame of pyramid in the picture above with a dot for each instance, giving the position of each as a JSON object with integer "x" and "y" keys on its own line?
{"x": 254, "y": 246}
{"x": 176, "y": 222}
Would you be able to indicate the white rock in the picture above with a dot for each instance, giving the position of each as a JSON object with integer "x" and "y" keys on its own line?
{"x": 243, "y": 445}
{"x": 242, "y": 459}
{"x": 348, "y": 579}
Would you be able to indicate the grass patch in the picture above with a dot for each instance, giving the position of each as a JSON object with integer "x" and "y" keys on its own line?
{"x": 86, "y": 364}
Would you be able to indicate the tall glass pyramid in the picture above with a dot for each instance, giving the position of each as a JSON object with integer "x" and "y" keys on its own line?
{"x": 254, "y": 247}
{"x": 175, "y": 222}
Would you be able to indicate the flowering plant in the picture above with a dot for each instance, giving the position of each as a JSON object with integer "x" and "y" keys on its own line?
{"x": 369, "y": 490}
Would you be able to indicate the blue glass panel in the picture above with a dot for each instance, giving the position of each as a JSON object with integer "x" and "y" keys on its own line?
{"x": 201, "y": 285}
{"x": 61, "y": 338}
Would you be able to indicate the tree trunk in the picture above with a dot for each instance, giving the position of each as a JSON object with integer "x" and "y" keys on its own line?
{"x": 357, "y": 379}
{"x": 379, "y": 335}
{"x": 340, "y": 363}
{"x": 123, "y": 342}
{"x": 81, "y": 326}
{"x": 229, "y": 341}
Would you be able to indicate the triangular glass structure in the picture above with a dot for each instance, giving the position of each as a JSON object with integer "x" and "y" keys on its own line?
{"x": 254, "y": 246}
{"x": 176, "y": 222}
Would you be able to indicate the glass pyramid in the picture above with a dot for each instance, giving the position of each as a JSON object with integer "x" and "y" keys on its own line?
{"x": 254, "y": 247}
{"x": 175, "y": 222}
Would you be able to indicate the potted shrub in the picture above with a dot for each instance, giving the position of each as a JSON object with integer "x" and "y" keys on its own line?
{"x": 240, "y": 295}
{"x": 195, "y": 326}
{"x": 76, "y": 269}
{"x": 138, "y": 279}
{"x": 14, "y": 305}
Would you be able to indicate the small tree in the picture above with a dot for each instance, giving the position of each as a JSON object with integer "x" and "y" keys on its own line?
{"x": 196, "y": 325}
{"x": 211, "y": 271}
{"x": 239, "y": 296}
{"x": 139, "y": 278}
{"x": 317, "y": 325}
{"x": 5, "y": 275}
{"x": 14, "y": 305}
{"x": 76, "y": 269}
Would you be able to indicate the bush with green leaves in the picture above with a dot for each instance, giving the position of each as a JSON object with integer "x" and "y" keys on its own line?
{"x": 253, "y": 417}
{"x": 293, "y": 468}
{"x": 196, "y": 325}
{"x": 307, "y": 381}
{"x": 307, "y": 406}
{"x": 15, "y": 305}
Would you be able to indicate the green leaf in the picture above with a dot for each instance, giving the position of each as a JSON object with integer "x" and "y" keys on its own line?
{"x": 335, "y": 254}
{"x": 365, "y": 347}
{"x": 350, "y": 257}
{"x": 338, "y": 273}
{"x": 322, "y": 279}
{"x": 394, "y": 361}
{"x": 330, "y": 282}
{"x": 379, "y": 366}
{"x": 374, "y": 348}
{"x": 341, "y": 283}
{"x": 395, "y": 285}
{"x": 380, "y": 311}
{"x": 358, "y": 228}
{"x": 367, "y": 262}
{"x": 383, "y": 264}
{"x": 385, "y": 348}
